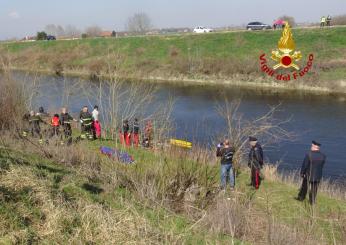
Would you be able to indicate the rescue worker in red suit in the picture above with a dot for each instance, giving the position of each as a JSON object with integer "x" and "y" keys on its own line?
{"x": 135, "y": 132}
{"x": 55, "y": 124}
{"x": 255, "y": 162}
{"x": 125, "y": 134}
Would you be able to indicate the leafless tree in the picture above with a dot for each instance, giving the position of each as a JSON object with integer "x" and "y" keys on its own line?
{"x": 72, "y": 31}
{"x": 93, "y": 31}
{"x": 266, "y": 127}
{"x": 139, "y": 23}
{"x": 55, "y": 30}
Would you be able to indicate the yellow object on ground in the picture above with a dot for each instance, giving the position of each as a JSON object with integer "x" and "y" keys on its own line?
{"x": 181, "y": 143}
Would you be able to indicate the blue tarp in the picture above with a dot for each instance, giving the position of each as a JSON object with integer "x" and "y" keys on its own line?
{"x": 121, "y": 156}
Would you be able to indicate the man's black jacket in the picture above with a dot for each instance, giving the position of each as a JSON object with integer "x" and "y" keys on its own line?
{"x": 256, "y": 157}
{"x": 312, "y": 166}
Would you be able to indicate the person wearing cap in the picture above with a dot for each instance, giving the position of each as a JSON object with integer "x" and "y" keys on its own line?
{"x": 255, "y": 162}
{"x": 311, "y": 172}
{"x": 226, "y": 152}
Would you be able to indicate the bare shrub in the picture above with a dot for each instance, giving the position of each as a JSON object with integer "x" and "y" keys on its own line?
{"x": 173, "y": 51}
{"x": 339, "y": 20}
{"x": 228, "y": 217}
{"x": 95, "y": 67}
{"x": 93, "y": 31}
{"x": 139, "y": 23}
{"x": 12, "y": 103}
{"x": 267, "y": 128}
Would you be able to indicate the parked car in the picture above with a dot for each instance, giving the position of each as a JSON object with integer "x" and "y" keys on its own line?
{"x": 257, "y": 26}
{"x": 51, "y": 38}
{"x": 201, "y": 29}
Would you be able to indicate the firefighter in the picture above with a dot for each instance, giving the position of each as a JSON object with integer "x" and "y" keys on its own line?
{"x": 26, "y": 124}
{"x": 46, "y": 129}
{"x": 311, "y": 172}
{"x": 255, "y": 162}
{"x": 55, "y": 125}
{"x": 86, "y": 124}
{"x": 66, "y": 121}
{"x": 135, "y": 132}
{"x": 34, "y": 123}
{"x": 323, "y": 21}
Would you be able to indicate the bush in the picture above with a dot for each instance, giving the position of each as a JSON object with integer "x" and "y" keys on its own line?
{"x": 41, "y": 36}
{"x": 12, "y": 104}
{"x": 339, "y": 20}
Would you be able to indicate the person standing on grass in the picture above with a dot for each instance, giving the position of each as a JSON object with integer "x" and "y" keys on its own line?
{"x": 55, "y": 125}
{"x": 86, "y": 124}
{"x": 323, "y": 21}
{"x": 311, "y": 172}
{"x": 255, "y": 162}
{"x": 135, "y": 132}
{"x": 125, "y": 135}
{"x": 226, "y": 152}
{"x": 97, "y": 124}
{"x": 66, "y": 121}
{"x": 34, "y": 122}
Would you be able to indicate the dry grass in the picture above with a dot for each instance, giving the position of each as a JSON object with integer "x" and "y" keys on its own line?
{"x": 79, "y": 222}
{"x": 271, "y": 173}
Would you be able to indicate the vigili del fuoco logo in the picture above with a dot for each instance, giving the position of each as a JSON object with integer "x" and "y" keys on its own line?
{"x": 286, "y": 58}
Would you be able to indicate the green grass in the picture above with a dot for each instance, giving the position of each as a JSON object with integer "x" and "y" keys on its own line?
{"x": 273, "y": 199}
{"x": 20, "y": 213}
{"x": 153, "y": 54}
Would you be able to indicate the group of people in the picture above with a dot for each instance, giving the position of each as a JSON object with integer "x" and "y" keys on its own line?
{"x": 129, "y": 135}
{"x": 311, "y": 170}
{"x": 326, "y": 21}
{"x": 61, "y": 125}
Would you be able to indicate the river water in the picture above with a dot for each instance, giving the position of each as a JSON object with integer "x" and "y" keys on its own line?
{"x": 312, "y": 117}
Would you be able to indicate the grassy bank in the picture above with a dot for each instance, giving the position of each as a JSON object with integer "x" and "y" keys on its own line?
{"x": 217, "y": 57}
{"x": 76, "y": 195}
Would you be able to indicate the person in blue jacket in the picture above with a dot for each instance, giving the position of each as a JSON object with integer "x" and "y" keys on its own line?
{"x": 226, "y": 151}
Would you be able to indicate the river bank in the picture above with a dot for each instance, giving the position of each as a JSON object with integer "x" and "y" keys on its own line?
{"x": 217, "y": 58}
{"x": 240, "y": 81}
{"x": 84, "y": 196}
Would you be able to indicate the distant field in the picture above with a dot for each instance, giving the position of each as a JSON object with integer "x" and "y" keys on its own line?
{"x": 214, "y": 55}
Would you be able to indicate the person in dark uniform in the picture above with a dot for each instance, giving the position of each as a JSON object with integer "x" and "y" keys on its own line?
{"x": 311, "y": 172}
{"x": 135, "y": 132}
{"x": 255, "y": 162}
{"x": 34, "y": 123}
{"x": 26, "y": 124}
{"x": 226, "y": 152}
{"x": 86, "y": 124}
{"x": 66, "y": 121}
